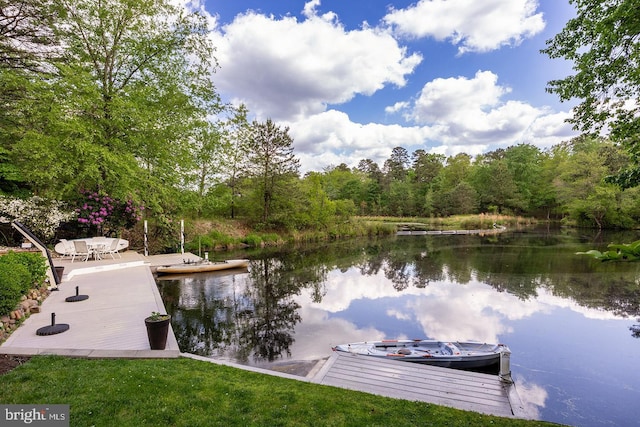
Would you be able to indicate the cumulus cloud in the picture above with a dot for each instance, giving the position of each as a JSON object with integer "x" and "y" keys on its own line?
{"x": 331, "y": 138}
{"x": 289, "y": 69}
{"x": 449, "y": 116}
{"x": 472, "y": 25}
{"x": 471, "y": 111}
{"x": 301, "y": 70}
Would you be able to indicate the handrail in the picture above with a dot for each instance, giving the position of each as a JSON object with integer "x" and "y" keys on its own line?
{"x": 28, "y": 234}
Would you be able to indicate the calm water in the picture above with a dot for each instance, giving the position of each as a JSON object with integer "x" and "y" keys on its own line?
{"x": 565, "y": 317}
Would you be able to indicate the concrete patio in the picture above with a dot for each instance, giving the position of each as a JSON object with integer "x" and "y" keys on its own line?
{"x": 110, "y": 323}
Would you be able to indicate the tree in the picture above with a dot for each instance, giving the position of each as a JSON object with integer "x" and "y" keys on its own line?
{"x": 26, "y": 38}
{"x": 271, "y": 165}
{"x": 395, "y": 167}
{"x": 427, "y": 166}
{"x": 237, "y": 131}
{"x": 603, "y": 43}
{"x": 120, "y": 110}
{"x": 26, "y": 42}
{"x": 581, "y": 166}
{"x": 494, "y": 184}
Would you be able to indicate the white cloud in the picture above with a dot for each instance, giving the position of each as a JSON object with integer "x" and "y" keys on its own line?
{"x": 448, "y": 122}
{"x": 331, "y": 138}
{"x": 476, "y": 26}
{"x": 398, "y": 106}
{"x": 298, "y": 71}
{"x": 471, "y": 112}
{"x": 286, "y": 69}
{"x": 310, "y": 8}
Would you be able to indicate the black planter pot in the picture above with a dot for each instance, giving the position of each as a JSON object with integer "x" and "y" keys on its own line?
{"x": 157, "y": 331}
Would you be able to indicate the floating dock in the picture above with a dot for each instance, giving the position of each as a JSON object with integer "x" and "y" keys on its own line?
{"x": 465, "y": 390}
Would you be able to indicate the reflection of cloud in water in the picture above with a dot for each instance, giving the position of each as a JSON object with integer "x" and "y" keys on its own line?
{"x": 404, "y": 315}
{"x": 317, "y": 333}
{"x": 454, "y": 320}
{"x": 443, "y": 309}
{"x": 545, "y": 297}
{"x": 533, "y": 397}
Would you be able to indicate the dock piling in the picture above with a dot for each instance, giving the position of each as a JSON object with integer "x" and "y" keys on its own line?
{"x": 505, "y": 366}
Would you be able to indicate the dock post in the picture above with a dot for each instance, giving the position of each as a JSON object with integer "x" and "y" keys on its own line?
{"x": 146, "y": 241}
{"x": 505, "y": 366}
{"x": 182, "y": 236}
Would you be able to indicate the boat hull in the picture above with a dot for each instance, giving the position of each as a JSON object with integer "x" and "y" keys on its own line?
{"x": 459, "y": 355}
{"x": 202, "y": 267}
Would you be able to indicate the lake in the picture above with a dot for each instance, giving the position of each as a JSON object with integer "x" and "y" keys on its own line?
{"x": 565, "y": 317}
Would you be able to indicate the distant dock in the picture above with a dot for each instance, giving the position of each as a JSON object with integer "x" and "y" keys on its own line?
{"x": 415, "y": 230}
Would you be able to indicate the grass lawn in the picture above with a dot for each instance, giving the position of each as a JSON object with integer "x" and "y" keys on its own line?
{"x": 186, "y": 392}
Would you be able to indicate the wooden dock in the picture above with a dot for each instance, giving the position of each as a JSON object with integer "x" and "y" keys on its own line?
{"x": 416, "y": 382}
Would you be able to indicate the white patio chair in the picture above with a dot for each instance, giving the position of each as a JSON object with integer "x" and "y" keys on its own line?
{"x": 112, "y": 249}
{"x": 67, "y": 248}
{"x": 81, "y": 249}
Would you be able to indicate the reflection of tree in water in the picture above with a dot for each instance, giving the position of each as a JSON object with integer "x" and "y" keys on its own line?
{"x": 517, "y": 263}
{"x": 635, "y": 329}
{"x": 204, "y": 310}
{"x": 215, "y": 316}
{"x": 254, "y": 315}
{"x": 267, "y": 331}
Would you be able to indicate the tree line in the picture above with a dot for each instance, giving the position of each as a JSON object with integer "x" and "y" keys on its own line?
{"x": 115, "y": 100}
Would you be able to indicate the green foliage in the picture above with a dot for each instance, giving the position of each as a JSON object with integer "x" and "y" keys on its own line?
{"x": 252, "y": 240}
{"x": 125, "y": 110}
{"x": 617, "y": 252}
{"x": 209, "y": 242}
{"x": 35, "y": 264}
{"x": 19, "y": 272}
{"x": 272, "y": 169}
{"x": 602, "y": 42}
{"x": 11, "y": 280}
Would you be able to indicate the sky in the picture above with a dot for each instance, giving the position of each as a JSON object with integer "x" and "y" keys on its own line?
{"x": 352, "y": 79}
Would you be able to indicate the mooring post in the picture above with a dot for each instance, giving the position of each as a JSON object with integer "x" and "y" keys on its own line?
{"x": 146, "y": 240}
{"x": 182, "y": 236}
{"x": 505, "y": 366}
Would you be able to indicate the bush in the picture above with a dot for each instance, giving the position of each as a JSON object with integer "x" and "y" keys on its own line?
{"x": 15, "y": 280}
{"x": 35, "y": 264}
{"x": 252, "y": 240}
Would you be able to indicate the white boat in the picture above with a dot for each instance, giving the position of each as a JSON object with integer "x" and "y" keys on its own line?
{"x": 462, "y": 355}
{"x": 202, "y": 266}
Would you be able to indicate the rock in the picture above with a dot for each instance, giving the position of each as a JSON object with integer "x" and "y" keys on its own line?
{"x": 35, "y": 309}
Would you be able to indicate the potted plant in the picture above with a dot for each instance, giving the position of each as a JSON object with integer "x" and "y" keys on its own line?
{"x": 157, "y": 330}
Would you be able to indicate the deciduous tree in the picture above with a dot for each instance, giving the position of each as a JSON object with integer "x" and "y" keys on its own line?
{"x": 122, "y": 108}
{"x": 603, "y": 42}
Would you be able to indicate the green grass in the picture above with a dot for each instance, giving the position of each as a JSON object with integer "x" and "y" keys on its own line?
{"x": 186, "y": 392}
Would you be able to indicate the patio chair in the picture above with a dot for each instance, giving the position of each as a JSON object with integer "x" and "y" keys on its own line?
{"x": 68, "y": 248}
{"x": 81, "y": 249}
{"x": 112, "y": 249}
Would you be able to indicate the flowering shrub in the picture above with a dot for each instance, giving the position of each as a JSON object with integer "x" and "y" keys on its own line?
{"x": 42, "y": 216}
{"x": 105, "y": 212}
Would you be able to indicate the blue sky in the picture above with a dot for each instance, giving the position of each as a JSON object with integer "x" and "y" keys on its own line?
{"x": 354, "y": 79}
